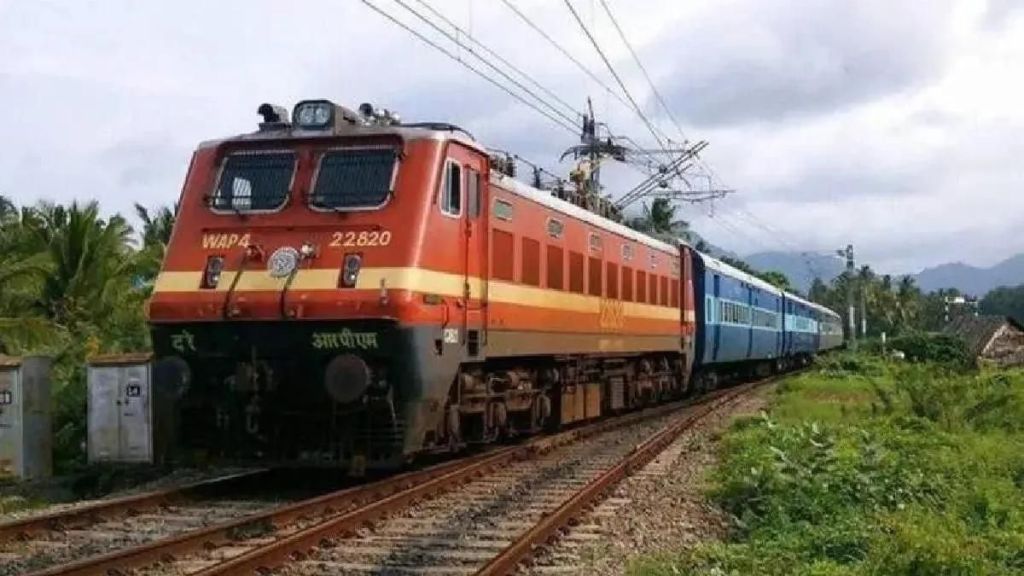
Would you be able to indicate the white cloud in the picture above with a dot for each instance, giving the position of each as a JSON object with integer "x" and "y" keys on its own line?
{"x": 891, "y": 125}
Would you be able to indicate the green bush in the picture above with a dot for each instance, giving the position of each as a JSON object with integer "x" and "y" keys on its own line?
{"x": 932, "y": 347}
{"x": 919, "y": 472}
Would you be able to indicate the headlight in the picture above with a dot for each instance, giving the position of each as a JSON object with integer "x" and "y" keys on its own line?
{"x": 350, "y": 270}
{"x": 314, "y": 114}
{"x": 211, "y": 275}
{"x": 282, "y": 262}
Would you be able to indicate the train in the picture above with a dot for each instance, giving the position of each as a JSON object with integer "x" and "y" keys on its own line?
{"x": 341, "y": 288}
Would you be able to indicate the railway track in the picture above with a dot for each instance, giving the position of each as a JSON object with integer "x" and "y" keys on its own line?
{"x": 484, "y": 513}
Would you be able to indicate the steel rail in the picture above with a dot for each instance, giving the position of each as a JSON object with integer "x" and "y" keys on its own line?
{"x": 167, "y": 548}
{"x": 92, "y": 513}
{"x": 348, "y": 509}
{"x": 268, "y": 557}
{"x": 552, "y": 524}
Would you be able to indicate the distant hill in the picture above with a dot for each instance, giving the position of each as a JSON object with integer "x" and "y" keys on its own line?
{"x": 971, "y": 279}
{"x": 801, "y": 270}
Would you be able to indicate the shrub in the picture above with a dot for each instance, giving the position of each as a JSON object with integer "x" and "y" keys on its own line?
{"x": 931, "y": 347}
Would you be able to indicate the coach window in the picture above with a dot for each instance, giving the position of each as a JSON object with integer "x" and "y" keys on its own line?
{"x": 451, "y": 195}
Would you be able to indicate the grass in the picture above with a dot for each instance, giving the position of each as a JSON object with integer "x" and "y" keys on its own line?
{"x": 864, "y": 467}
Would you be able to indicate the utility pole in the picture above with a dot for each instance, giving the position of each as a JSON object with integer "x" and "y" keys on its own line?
{"x": 851, "y": 269}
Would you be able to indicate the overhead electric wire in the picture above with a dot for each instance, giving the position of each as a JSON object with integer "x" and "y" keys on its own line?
{"x": 489, "y": 64}
{"x": 636, "y": 58}
{"x": 498, "y": 57}
{"x": 593, "y": 76}
{"x": 560, "y": 122}
{"x": 618, "y": 79}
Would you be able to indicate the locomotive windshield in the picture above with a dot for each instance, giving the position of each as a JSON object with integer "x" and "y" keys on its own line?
{"x": 357, "y": 178}
{"x": 254, "y": 181}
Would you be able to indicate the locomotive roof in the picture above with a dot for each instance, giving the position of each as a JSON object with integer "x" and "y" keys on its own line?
{"x": 569, "y": 209}
{"x": 406, "y": 133}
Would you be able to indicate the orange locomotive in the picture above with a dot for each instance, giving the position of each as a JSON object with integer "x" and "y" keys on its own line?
{"x": 347, "y": 289}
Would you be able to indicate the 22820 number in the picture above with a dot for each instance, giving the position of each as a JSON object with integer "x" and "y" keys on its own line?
{"x": 364, "y": 238}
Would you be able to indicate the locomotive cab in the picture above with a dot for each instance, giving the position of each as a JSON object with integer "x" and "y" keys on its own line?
{"x": 317, "y": 285}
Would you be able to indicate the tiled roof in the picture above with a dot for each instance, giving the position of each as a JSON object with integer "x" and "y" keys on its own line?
{"x": 977, "y": 331}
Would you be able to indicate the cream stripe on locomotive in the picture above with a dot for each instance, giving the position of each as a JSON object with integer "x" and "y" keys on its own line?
{"x": 414, "y": 280}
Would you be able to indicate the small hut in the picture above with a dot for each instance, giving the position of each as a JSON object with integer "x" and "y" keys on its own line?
{"x": 997, "y": 339}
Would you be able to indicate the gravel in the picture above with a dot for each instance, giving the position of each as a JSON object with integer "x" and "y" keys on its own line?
{"x": 661, "y": 508}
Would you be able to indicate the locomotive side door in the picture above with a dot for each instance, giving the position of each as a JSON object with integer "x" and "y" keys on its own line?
{"x": 473, "y": 248}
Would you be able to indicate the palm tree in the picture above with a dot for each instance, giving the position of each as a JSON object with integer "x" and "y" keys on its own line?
{"x": 91, "y": 261}
{"x": 156, "y": 234}
{"x": 660, "y": 216}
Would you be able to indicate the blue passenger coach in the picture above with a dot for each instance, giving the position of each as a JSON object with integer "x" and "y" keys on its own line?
{"x": 748, "y": 326}
{"x": 739, "y": 316}
{"x": 800, "y": 326}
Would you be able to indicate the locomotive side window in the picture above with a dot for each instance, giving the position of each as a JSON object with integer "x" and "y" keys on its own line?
{"x": 502, "y": 210}
{"x": 253, "y": 182}
{"x": 472, "y": 192}
{"x": 555, "y": 228}
{"x": 451, "y": 194}
{"x": 353, "y": 179}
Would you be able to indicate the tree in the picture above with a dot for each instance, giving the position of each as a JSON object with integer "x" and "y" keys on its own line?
{"x": 777, "y": 279}
{"x": 660, "y": 216}
{"x": 1005, "y": 301}
{"x": 156, "y": 234}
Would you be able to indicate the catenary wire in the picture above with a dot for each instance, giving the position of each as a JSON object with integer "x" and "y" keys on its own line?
{"x": 488, "y": 63}
{"x": 636, "y": 58}
{"x": 568, "y": 127}
{"x": 618, "y": 79}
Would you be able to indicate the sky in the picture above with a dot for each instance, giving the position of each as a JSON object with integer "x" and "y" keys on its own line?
{"x": 894, "y": 125}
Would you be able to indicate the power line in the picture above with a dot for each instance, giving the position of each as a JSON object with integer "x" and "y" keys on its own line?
{"x": 489, "y": 64}
{"x": 567, "y": 126}
{"x": 498, "y": 57}
{"x": 643, "y": 69}
{"x": 622, "y": 85}
{"x": 593, "y": 76}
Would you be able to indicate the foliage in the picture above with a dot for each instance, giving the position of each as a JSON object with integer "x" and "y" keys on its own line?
{"x": 932, "y": 347}
{"x": 773, "y": 277}
{"x": 1005, "y": 301}
{"x": 73, "y": 284}
{"x": 872, "y": 467}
